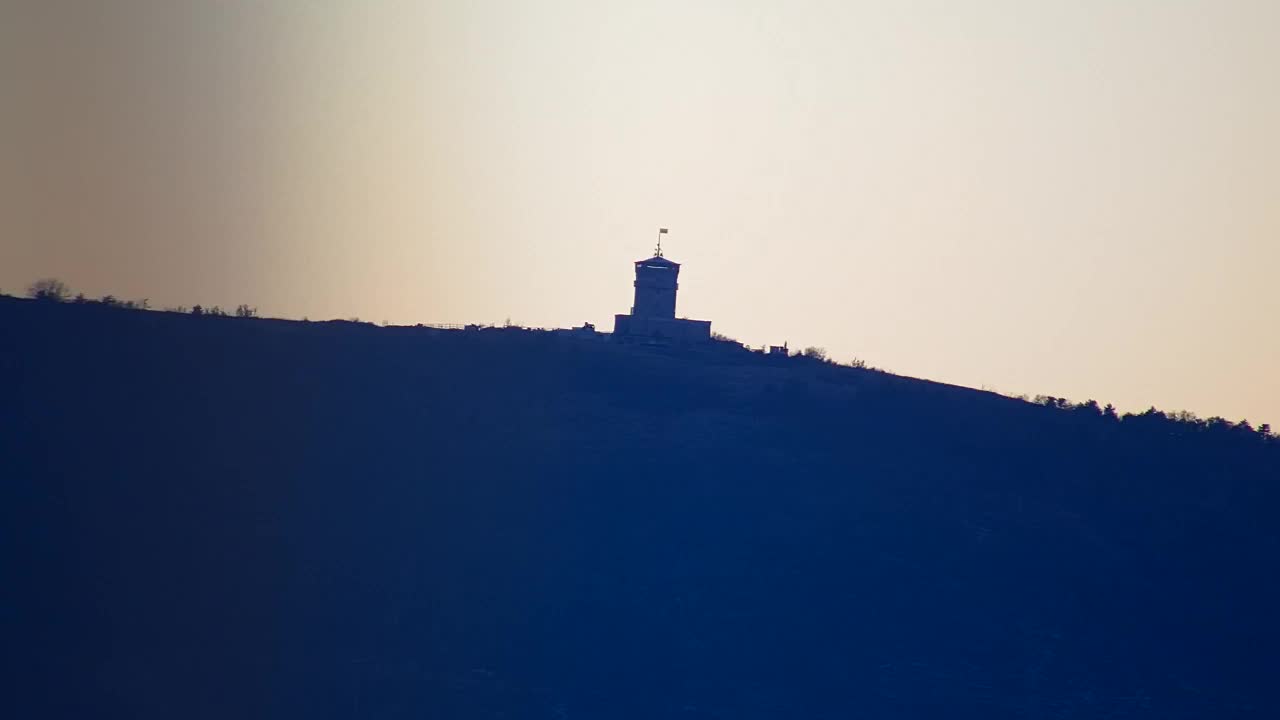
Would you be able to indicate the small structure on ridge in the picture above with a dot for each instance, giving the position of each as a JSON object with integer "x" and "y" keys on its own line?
{"x": 653, "y": 313}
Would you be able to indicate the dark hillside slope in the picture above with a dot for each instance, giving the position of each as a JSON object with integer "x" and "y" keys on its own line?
{"x": 217, "y": 517}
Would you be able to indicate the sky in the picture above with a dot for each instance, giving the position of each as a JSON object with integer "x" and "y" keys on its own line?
{"x": 1078, "y": 198}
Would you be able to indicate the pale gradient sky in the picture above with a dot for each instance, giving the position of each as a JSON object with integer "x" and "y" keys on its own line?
{"x": 1070, "y": 197}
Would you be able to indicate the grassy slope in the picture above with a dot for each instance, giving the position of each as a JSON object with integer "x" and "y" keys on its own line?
{"x": 212, "y": 517}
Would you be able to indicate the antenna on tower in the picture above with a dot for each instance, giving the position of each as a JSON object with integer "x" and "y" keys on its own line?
{"x": 661, "y": 232}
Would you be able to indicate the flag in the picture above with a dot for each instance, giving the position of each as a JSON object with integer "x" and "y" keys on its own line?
{"x": 662, "y": 231}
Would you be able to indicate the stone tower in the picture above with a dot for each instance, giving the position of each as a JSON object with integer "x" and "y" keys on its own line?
{"x": 656, "y": 288}
{"x": 653, "y": 312}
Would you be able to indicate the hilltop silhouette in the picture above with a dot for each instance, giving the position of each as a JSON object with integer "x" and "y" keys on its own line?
{"x": 215, "y": 516}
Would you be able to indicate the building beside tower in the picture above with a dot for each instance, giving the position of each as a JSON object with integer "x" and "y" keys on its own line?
{"x": 653, "y": 313}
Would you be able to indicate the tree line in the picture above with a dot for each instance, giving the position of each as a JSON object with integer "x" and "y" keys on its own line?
{"x": 54, "y": 290}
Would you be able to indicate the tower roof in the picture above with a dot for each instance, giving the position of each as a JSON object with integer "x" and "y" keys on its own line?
{"x": 658, "y": 261}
